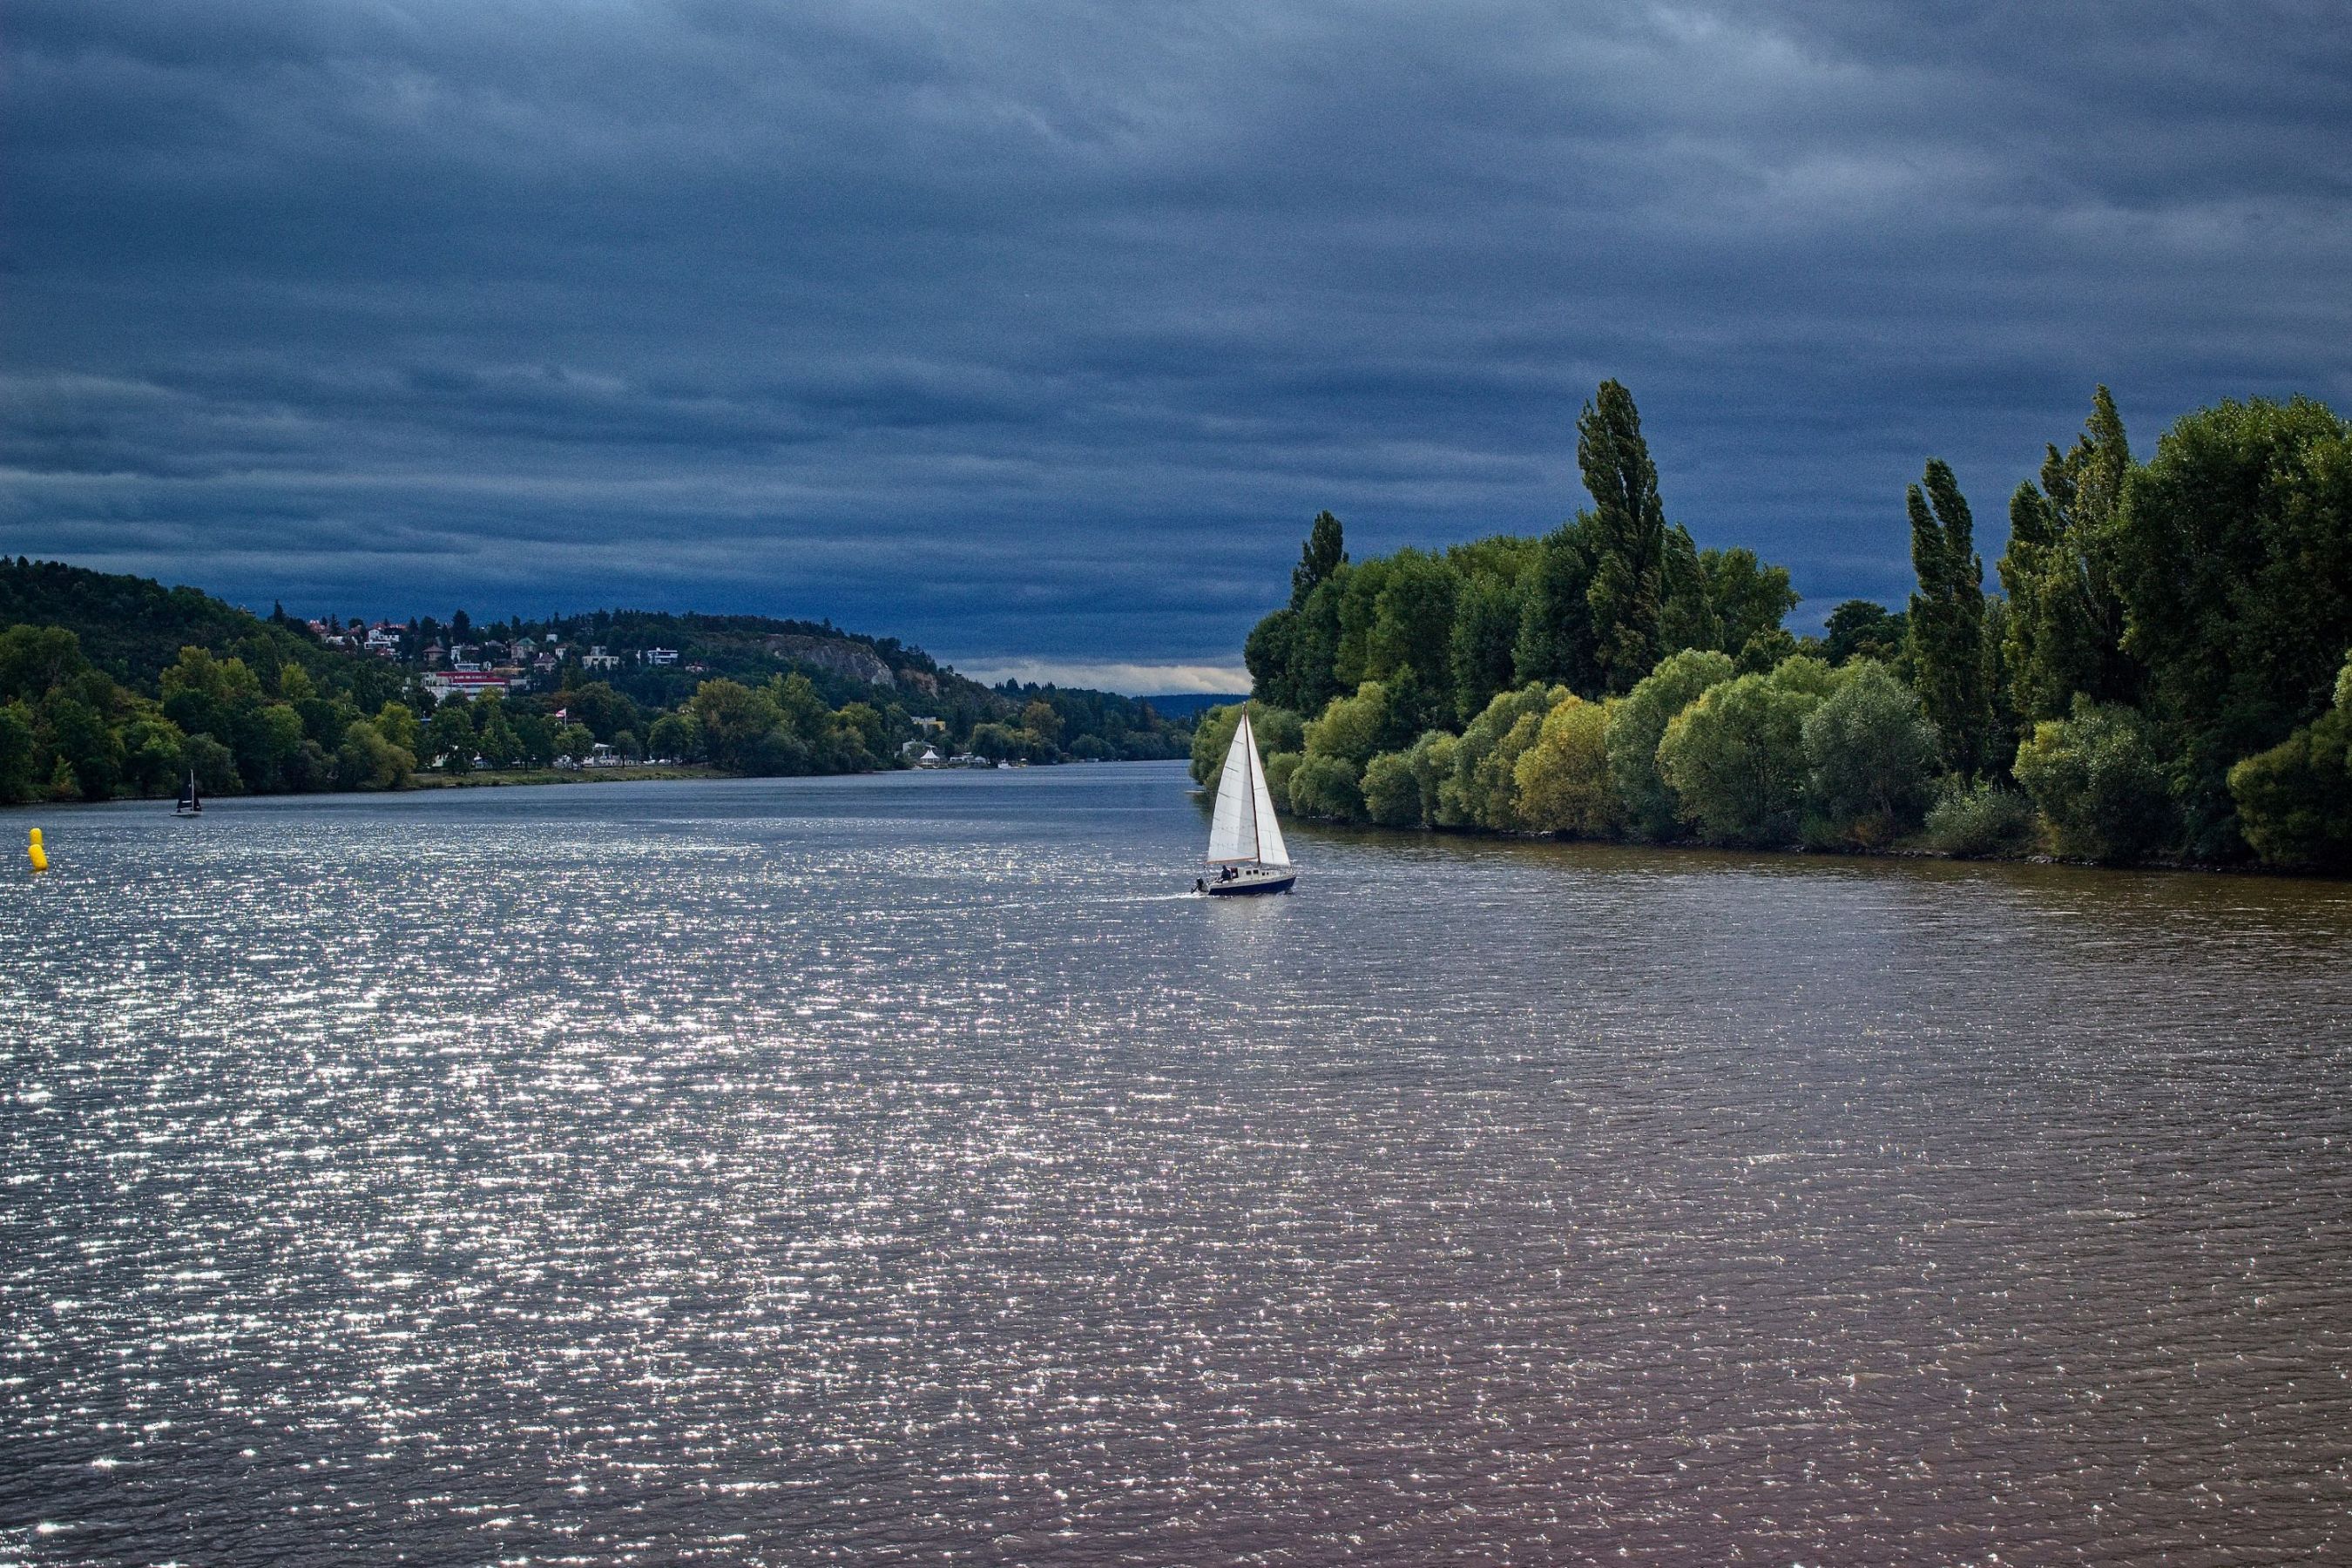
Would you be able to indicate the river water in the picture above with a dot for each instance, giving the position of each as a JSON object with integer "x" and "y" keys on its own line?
{"x": 908, "y": 1170}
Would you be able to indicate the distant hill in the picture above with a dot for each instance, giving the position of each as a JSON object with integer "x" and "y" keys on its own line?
{"x": 134, "y": 627}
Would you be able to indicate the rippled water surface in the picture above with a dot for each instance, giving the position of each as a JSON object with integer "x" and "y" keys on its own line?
{"x": 904, "y": 1170}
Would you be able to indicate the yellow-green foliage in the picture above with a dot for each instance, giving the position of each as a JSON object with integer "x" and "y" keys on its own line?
{"x": 1391, "y": 794}
{"x": 1481, "y": 790}
{"x": 1350, "y": 727}
{"x": 1563, "y": 778}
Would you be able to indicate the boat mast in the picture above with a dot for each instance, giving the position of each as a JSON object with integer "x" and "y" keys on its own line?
{"x": 1249, "y": 737}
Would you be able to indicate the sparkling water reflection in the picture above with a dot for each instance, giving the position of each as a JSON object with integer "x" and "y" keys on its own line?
{"x": 903, "y": 1169}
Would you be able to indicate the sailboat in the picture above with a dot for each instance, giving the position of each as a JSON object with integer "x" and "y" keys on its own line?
{"x": 1244, "y": 840}
{"x": 191, "y": 802}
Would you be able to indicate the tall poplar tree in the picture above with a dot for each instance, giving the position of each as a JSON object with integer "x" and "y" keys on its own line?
{"x": 1946, "y": 619}
{"x": 1628, "y": 530}
{"x": 1289, "y": 654}
{"x": 1323, "y": 554}
{"x": 2065, "y": 628}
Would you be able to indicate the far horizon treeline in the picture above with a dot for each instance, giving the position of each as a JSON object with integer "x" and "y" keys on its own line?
{"x": 113, "y": 686}
{"x": 2165, "y": 674}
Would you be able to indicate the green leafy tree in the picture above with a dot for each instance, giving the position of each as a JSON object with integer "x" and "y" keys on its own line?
{"x": 1862, "y": 628}
{"x": 2232, "y": 556}
{"x": 1971, "y": 820}
{"x": 1480, "y": 643}
{"x": 218, "y": 697}
{"x": 1038, "y": 718}
{"x": 1870, "y": 759}
{"x": 2003, "y": 727}
{"x": 396, "y": 723}
{"x": 1268, "y": 654}
{"x": 1315, "y": 647}
{"x": 1946, "y": 619}
{"x": 1629, "y": 534}
{"x": 2294, "y": 801}
{"x": 18, "y": 778}
{"x": 1556, "y": 641}
{"x": 1745, "y": 597}
{"x": 494, "y": 737}
{"x": 735, "y": 721}
{"x": 1687, "y": 618}
{"x": 1736, "y": 758}
{"x": 998, "y": 742}
{"x": 153, "y": 750}
{"x": 268, "y": 742}
{"x": 534, "y": 739}
{"x": 450, "y": 738}
{"x": 2097, "y": 780}
{"x": 1358, "y": 589}
{"x": 367, "y": 760}
{"x": 606, "y": 711}
{"x": 85, "y": 742}
{"x": 866, "y": 729}
{"x": 1413, "y": 624}
{"x": 1638, "y": 723}
{"x": 1391, "y": 794}
{"x": 675, "y": 737}
{"x": 1766, "y": 651}
{"x": 214, "y": 764}
{"x": 1277, "y": 728}
{"x": 1327, "y": 786}
{"x": 35, "y": 660}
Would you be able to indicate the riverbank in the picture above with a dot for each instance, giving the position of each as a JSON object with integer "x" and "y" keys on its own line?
{"x": 1904, "y": 849}
{"x": 486, "y": 778}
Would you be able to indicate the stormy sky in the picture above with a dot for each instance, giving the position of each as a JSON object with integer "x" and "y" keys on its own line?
{"x": 1036, "y": 333}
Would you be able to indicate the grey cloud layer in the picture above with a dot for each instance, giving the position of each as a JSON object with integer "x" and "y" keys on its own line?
{"x": 1039, "y": 332}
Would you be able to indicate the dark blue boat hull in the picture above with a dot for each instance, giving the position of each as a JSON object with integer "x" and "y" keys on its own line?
{"x": 1246, "y": 886}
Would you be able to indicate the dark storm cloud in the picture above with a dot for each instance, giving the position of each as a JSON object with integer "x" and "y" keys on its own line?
{"x": 1039, "y": 332}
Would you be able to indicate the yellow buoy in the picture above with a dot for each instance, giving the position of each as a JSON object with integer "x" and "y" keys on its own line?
{"x": 40, "y": 855}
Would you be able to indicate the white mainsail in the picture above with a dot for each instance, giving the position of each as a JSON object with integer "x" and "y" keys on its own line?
{"x": 1243, "y": 828}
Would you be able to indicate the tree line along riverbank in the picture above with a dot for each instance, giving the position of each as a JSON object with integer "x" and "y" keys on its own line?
{"x": 2163, "y": 672}
{"x": 116, "y": 686}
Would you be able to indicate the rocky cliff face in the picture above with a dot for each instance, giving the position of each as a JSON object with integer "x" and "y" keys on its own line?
{"x": 852, "y": 659}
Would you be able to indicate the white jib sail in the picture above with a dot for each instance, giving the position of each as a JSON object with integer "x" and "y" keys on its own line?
{"x": 1270, "y": 850}
{"x": 1243, "y": 828}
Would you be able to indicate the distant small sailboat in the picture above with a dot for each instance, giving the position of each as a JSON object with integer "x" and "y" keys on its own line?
{"x": 1245, "y": 839}
{"x": 191, "y": 802}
